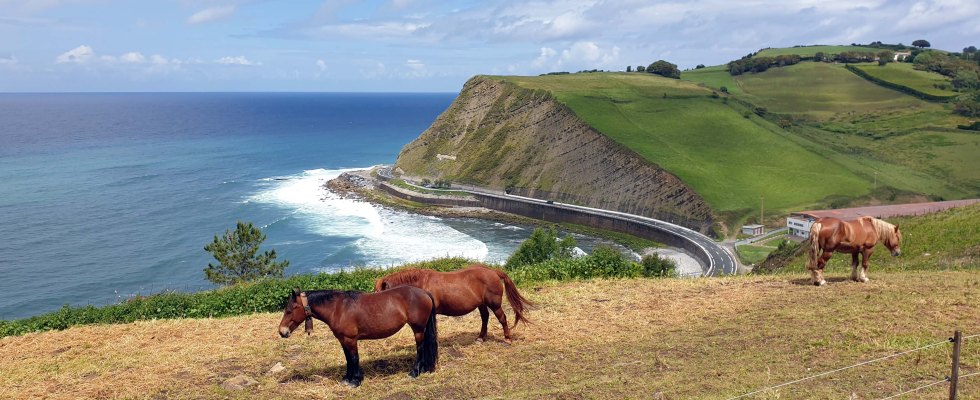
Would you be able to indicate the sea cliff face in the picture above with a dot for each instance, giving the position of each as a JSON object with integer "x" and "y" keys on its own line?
{"x": 499, "y": 135}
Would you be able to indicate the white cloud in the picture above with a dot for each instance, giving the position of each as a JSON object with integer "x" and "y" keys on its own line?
{"x": 322, "y": 65}
{"x": 547, "y": 53}
{"x": 211, "y": 14}
{"x": 236, "y": 60}
{"x": 8, "y": 60}
{"x": 132, "y": 57}
{"x": 80, "y": 55}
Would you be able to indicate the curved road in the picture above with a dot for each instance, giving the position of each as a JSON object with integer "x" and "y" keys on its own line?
{"x": 720, "y": 260}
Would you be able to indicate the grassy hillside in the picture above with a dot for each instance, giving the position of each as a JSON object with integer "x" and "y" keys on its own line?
{"x": 903, "y": 74}
{"x": 944, "y": 240}
{"x": 729, "y": 155}
{"x": 807, "y": 51}
{"x": 705, "y": 339}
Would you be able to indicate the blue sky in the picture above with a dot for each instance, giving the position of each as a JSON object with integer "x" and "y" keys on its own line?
{"x": 420, "y": 45}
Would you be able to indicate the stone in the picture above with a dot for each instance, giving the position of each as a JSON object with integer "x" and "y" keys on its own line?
{"x": 238, "y": 383}
{"x": 276, "y": 369}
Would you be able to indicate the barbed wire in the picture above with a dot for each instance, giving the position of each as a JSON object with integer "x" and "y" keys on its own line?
{"x": 944, "y": 380}
{"x": 971, "y": 336}
{"x": 841, "y": 369}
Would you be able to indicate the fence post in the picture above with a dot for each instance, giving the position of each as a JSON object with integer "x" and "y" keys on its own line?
{"x": 955, "y": 374}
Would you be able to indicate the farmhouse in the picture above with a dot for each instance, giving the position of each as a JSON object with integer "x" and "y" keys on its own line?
{"x": 799, "y": 222}
{"x": 753, "y": 230}
{"x": 901, "y": 55}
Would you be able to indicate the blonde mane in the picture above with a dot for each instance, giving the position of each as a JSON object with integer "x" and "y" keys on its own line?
{"x": 885, "y": 230}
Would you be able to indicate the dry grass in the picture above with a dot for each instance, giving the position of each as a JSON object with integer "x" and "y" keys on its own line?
{"x": 604, "y": 339}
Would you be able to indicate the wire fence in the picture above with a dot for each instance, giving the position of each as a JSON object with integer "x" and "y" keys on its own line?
{"x": 872, "y": 361}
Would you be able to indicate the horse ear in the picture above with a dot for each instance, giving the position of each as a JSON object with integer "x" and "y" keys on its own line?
{"x": 896, "y": 227}
{"x": 296, "y": 291}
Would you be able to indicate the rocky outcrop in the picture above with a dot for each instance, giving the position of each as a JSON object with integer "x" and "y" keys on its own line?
{"x": 499, "y": 135}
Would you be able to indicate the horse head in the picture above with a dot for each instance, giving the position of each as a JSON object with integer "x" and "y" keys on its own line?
{"x": 893, "y": 242}
{"x": 297, "y": 311}
{"x": 380, "y": 285}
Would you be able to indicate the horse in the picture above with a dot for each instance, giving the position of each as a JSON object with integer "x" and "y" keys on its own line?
{"x": 859, "y": 236}
{"x": 355, "y": 315}
{"x": 460, "y": 292}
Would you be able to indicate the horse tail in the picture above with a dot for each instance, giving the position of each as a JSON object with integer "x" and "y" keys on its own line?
{"x": 814, "y": 249}
{"x": 430, "y": 343}
{"x": 517, "y": 302}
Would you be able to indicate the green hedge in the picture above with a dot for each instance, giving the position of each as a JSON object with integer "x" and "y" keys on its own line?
{"x": 269, "y": 295}
{"x": 900, "y": 88}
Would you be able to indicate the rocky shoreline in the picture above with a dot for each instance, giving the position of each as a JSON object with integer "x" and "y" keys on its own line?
{"x": 364, "y": 186}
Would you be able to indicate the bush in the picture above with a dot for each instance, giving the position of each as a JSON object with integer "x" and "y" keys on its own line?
{"x": 656, "y": 266}
{"x": 542, "y": 245}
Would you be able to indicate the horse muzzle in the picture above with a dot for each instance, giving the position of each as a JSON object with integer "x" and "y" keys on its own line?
{"x": 284, "y": 332}
{"x": 896, "y": 253}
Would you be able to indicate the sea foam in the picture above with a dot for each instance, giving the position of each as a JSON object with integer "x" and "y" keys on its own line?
{"x": 382, "y": 236}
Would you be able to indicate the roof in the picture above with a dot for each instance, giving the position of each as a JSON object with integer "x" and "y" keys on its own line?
{"x": 752, "y": 226}
{"x": 893, "y": 210}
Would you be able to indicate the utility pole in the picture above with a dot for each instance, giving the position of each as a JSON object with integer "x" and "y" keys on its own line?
{"x": 762, "y": 210}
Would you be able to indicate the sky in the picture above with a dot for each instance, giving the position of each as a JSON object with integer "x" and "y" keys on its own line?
{"x": 421, "y": 45}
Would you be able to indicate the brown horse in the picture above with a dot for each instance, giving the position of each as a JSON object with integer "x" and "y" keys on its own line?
{"x": 459, "y": 292}
{"x": 354, "y": 315}
{"x": 859, "y": 236}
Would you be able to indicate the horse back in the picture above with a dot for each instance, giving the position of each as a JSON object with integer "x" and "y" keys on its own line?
{"x": 460, "y": 292}
{"x": 382, "y": 314}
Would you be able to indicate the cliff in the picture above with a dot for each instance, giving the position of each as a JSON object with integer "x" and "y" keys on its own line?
{"x": 499, "y": 135}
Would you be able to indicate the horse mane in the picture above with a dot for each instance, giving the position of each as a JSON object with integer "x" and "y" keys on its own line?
{"x": 406, "y": 277}
{"x": 318, "y": 297}
{"x": 884, "y": 229}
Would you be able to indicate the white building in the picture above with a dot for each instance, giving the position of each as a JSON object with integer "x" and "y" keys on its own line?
{"x": 799, "y": 225}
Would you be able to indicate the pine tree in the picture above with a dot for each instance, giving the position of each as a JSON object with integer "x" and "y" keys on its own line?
{"x": 238, "y": 261}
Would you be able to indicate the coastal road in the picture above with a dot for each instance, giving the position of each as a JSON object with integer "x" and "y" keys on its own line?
{"x": 720, "y": 261}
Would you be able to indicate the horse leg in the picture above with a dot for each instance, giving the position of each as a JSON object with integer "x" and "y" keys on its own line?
{"x": 417, "y": 367}
{"x": 355, "y": 375}
{"x": 499, "y": 312}
{"x": 484, "y": 316}
{"x": 854, "y": 265}
{"x": 866, "y": 255}
{"x": 818, "y": 273}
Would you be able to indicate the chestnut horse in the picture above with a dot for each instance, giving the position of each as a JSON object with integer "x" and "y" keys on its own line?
{"x": 459, "y": 292}
{"x": 859, "y": 236}
{"x": 354, "y": 315}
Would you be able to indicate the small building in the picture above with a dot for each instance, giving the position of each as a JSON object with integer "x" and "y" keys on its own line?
{"x": 901, "y": 55}
{"x": 799, "y": 224}
{"x": 754, "y": 230}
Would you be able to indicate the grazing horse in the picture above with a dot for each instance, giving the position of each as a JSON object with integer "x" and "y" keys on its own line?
{"x": 354, "y": 315}
{"x": 459, "y": 292}
{"x": 859, "y": 236}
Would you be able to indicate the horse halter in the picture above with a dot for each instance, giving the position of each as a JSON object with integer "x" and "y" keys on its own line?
{"x": 308, "y": 325}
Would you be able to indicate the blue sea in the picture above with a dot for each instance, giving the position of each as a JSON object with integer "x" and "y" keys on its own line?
{"x": 106, "y": 196}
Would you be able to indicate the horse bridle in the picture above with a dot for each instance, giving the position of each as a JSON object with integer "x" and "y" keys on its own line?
{"x": 309, "y": 313}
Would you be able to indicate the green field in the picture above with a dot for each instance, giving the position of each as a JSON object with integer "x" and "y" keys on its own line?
{"x": 729, "y": 158}
{"x": 903, "y": 74}
{"x": 822, "y": 90}
{"x": 811, "y": 50}
{"x": 714, "y": 77}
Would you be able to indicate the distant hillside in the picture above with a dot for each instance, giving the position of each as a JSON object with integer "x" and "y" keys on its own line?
{"x": 501, "y": 135}
{"x": 810, "y": 135}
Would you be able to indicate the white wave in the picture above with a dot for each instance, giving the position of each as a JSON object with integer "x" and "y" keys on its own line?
{"x": 383, "y": 236}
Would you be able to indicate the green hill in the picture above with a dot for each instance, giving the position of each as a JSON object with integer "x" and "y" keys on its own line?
{"x": 729, "y": 155}
{"x": 809, "y": 135}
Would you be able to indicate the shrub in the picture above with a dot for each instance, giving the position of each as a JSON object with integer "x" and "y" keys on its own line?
{"x": 238, "y": 261}
{"x": 542, "y": 245}
{"x": 656, "y": 266}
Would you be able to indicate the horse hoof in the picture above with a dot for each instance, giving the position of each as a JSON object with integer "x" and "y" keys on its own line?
{"x": 481, "y": 339}
{"x": 820, "y": 283}
{"x": 864, "y": 280}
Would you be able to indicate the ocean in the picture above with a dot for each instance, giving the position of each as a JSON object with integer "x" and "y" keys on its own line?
{"x": 106, "y": 196}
